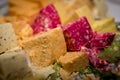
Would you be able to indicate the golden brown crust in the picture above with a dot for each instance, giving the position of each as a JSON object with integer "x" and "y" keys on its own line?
{"x": 74, "y": 61}
{"x": 45, "y": 48}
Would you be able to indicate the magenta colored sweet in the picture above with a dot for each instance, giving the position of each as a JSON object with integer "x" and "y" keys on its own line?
{"x": 102, "y": 40}
{"x": 77, "y": 34}
{"x": 48, "y": 18}
{"x": 96, "y": 61}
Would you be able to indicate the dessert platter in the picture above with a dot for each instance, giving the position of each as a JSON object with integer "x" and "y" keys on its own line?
{"x": 59, "y": 40}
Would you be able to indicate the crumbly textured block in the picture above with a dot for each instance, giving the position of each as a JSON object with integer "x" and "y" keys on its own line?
{"x": 45, "y": 48}
{"x": 105, "y": 25}
{"x": 14, "y": 66}
{"x": 26, "y": 32}
{"x": 7, "y": 37}
{"x": 19, "y": 25}
{"x": 74, "y": 61}
{"x": 22, "y": 30}
{"x": 77, "y": 34}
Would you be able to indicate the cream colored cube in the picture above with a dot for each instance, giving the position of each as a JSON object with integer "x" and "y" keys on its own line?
{"x": 7, "y": 37}
{"x": 14, "y": 66}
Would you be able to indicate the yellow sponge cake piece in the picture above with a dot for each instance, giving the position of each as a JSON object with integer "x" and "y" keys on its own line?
{"x": 45, "y": 48}
{"x": 74, "y": 61}
{"x": 105, "y": 25}
{"x": 80, "y": 12}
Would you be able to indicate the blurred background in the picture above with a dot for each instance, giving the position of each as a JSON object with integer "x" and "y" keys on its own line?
{"x": 113, "y": 8}
{"x": 3, "y": 7}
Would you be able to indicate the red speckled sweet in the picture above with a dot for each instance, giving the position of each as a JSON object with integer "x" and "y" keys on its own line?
{"x": 48, "y": 18}
{"x": 102, "y": 40}
{"x": 77, "y": 34}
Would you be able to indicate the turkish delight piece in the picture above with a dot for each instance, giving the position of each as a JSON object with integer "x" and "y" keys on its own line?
{"x": 45, "y": 48}
{"x": 74, "y": 61}
{"x": 97, "y": 62}
{"x": 102, "y": 40}
{"x": 77, "y": 34}
{"x": 14, "y": 66}
{"x": 48, "y": 18}
{"x": 105, "y": 25}
{"x": 7, "y": 37}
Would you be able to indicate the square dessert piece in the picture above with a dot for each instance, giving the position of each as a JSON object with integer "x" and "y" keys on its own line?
{"x": 47, "y": 19}
{"x": 105, "y": 25}
{"x": 14, "y": 66}
{"x": 77, "y": 34}
{"x": 74, "y": 61}
{"x": 45, "y": 48}
{"x": 7, "y": 37}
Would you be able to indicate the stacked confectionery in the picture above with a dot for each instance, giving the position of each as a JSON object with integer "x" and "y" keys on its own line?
{"x": 59, "y": 40}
